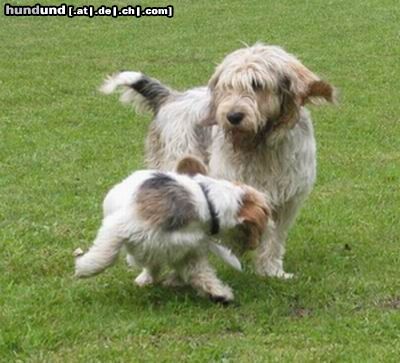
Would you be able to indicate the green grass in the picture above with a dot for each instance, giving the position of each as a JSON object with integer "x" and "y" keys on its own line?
{"x": 63, "y": 145}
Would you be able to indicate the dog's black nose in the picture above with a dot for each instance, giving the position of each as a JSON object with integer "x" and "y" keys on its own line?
{"x": 235, "y": 117}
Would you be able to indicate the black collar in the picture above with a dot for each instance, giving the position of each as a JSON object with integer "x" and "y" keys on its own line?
{"x": 214, "y": 227}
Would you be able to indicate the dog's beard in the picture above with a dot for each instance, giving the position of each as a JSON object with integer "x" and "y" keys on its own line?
{"x": 240, "y": 139}
{"x": 247, "y": 139}
{"x": 244, "y": 139}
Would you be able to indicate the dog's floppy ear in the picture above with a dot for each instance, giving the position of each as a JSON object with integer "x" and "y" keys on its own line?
{"x": 191, "y": 165}
{"x": 254, "y": 215}
{"x": 319, "y": 92}
{"x": 300, "y": 86}
{"x": 308, "y": 87}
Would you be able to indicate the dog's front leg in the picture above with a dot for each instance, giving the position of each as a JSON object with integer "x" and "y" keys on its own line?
{"x": 269, "y": 255}
{"x": 200, "y": 274}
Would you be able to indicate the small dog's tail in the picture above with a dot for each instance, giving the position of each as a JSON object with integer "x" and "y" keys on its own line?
{"x": 226, "y": 255}
{"x": 101, "y": 255}
{"x": 145, "y": 93}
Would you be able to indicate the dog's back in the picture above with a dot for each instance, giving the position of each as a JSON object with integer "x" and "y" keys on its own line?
{"x": 165, "y": 203}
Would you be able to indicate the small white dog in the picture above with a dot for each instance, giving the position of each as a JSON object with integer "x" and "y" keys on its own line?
{"x": 165, "y": 220}
{"x": 263, "y": 134}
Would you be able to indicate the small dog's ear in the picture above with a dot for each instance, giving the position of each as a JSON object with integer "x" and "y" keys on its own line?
{"x": 191, "y": 165}
{"x": 253, "y": 233}
{"x": 254, "y": 215}
{"x": 318, "y": 92}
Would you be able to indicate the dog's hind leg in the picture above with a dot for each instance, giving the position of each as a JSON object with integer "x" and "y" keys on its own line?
{"x": 148, "y": 276}
{"x": 200, "y": 274}
{"x": 102, "y": 253}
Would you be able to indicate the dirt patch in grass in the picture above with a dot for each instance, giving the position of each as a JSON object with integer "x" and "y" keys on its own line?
{"x": 390, "y": 303}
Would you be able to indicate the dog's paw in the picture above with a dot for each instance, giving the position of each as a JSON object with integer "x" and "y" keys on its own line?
{"x": 222, "y": 299}
{"x": 273, "y": 268}
{"x": 144, "y": 279}
{"x": 284, "y": 275}
{"x": 223, "y": 296}
{"x": 78, "y": 252}
{"x": 278, "y": 273}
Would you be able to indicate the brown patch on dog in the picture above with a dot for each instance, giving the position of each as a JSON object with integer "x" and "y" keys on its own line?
{"x": 162, "y": 202}
{"x": 191, "y": 165}
{"x": 254, "y": 214}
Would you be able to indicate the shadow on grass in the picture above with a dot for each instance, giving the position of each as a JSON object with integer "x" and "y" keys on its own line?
{"x": 248, "y": 289}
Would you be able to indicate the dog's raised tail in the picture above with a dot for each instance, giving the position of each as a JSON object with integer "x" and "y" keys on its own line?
{"x": 226, "y": 255}
{"x": 145, "y": 93}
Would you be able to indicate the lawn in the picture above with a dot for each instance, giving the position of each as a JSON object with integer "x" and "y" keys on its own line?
{"x": 62, "y": 145}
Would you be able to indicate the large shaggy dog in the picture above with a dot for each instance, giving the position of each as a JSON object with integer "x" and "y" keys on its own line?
{"x": 263, "y": 135}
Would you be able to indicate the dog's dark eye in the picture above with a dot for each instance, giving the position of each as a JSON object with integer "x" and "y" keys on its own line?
{"x": 256, "y": 85}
